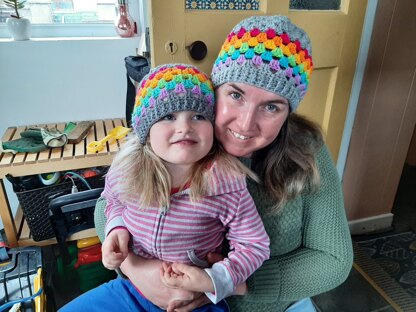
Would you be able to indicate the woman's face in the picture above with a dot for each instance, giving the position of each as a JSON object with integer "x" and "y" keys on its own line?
{"x": 248, "y": 118}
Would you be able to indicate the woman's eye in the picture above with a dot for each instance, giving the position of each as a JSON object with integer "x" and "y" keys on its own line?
{"x": 235, "y": 95}
{"x": 168, "y": 117}
{"x": 198, "y": 117}
{"x": 272, "y": 108}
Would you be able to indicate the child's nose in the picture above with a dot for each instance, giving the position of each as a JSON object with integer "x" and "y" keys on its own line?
{"x": 184, "y": 126}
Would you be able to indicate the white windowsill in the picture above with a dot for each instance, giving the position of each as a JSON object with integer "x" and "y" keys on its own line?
{"x": 66, "y": 31}
{"x": 68, "y": 39}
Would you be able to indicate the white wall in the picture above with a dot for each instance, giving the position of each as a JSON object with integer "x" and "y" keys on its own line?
{"x": 60, "y": 80}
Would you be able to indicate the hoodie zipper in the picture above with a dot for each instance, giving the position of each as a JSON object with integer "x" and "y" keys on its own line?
{"x": 161, "y": 216}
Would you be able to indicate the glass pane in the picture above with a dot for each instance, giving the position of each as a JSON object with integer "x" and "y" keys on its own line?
{"x": 252, "y": 5}
{"x": 64, "y": 11}
{"x": 314, "y": 4}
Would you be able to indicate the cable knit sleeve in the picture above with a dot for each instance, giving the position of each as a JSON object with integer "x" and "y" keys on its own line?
{"x": 114, "y": 208}
{"x": 324, "y": 258}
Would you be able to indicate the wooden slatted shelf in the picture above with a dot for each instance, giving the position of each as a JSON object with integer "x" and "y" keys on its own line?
{"x": 68, "y": 157}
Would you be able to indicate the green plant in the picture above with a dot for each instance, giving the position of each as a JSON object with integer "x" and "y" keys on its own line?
{"x": 16, "y": 5}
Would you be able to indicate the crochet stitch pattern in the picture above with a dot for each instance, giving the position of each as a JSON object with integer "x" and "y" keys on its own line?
{"x": 272, "y": 42}
{"x": 171, "y": 88}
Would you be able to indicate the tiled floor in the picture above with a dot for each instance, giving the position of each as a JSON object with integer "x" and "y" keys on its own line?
{"x": 354, "y": 295}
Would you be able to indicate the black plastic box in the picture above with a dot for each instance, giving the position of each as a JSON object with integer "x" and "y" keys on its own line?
{"x": 35, "y": 205}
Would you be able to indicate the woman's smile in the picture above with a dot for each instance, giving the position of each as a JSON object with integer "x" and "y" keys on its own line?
{"x": 238, "y": 135}
{"x": 248, "y": 118}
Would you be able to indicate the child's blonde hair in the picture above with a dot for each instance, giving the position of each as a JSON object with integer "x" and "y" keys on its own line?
{"x": 146, "y": 174}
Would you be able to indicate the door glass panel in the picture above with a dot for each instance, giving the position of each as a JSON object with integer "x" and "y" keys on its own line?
{"x": 314, "y": 4}
{"x": 251, "y": 5}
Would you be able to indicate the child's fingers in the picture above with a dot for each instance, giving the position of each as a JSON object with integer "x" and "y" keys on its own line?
{"x": 167, "y": 266}
{"x": 123, "y": 243}
{"x": 171, "y": 280}
{"x": 181, "y": 268}
{"x": 113, "y": 260}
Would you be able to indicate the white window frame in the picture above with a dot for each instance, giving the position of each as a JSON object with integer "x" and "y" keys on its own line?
{"x": 136, "y": 9}
{"x": 66, "y": 30}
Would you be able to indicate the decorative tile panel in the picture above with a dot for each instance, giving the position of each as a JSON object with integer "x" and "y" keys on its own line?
{"x": 248, "y": 5}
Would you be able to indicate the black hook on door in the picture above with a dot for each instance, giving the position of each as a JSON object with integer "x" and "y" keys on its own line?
{"x": 198, "y": 50}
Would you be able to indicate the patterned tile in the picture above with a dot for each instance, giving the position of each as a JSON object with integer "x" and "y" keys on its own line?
{"x": 355, "y": 295}
{"x": 251, "y": 5}
{"x": 396, "y": 254}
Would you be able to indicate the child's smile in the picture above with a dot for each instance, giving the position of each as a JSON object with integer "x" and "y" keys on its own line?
{"x": 182, "y": 138}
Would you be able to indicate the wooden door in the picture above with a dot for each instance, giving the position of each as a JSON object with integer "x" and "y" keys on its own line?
{"x": 385, "y": 118}
{"x": 335, "y": 37}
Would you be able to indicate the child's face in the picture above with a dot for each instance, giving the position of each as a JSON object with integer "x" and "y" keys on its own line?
{"x": 182, "y": 138}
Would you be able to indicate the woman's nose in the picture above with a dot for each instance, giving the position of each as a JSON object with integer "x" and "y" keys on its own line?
{"x": 247, "y": 119}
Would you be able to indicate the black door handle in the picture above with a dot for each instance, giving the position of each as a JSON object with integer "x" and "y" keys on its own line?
{"x": 198, "y": 50}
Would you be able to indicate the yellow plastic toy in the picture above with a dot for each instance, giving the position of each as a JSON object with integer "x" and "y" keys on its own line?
{"x": 40, "y": 301}
{"x": 117, "y": 133}
{"x": 87, "y": 242}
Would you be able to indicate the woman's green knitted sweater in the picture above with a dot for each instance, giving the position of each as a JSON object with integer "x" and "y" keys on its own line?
{"x": 310, "y": 245}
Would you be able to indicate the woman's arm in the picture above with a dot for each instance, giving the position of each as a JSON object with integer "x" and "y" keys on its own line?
{"x": 324, "y": 259}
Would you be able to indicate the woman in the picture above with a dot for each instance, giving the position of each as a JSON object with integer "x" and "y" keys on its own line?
{"x": 261, "y": 75}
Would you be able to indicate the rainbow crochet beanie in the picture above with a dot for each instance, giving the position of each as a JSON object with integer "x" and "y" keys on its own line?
{"x": 171, "y": 88}
{"x": 269, "y": 52}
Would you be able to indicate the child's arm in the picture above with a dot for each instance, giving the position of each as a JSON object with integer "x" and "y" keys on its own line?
{"x": 115, "y": 245}
{"x": 249, "y": 245}
{"x": 114, "y": 208}
{"x": 191, "y": 278}
{"x": 115, "y": 248}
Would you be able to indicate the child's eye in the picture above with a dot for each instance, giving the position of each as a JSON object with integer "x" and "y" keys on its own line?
{"x": 168, "y": 117}
{"x": 199, "y": 117}
{"x": 235, "y": 95}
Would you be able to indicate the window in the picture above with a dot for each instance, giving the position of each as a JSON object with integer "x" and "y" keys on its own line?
{"x": 64, "y": 11}
{"x": 68, "y": 18}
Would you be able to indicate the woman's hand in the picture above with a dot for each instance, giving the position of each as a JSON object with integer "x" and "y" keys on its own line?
{"x": 144, "y": 274}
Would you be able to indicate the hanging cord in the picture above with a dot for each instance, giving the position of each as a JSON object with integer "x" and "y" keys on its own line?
{"x": 74, "y": 188}
{"x": 12, "y": 303}
{"x": 71, "y": 174}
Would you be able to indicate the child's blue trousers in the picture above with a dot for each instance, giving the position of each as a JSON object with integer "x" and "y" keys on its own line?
{"x": 121, "y": 295}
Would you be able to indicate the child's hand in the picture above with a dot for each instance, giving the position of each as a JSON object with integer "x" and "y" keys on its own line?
{"x": 191, "y": 278}
{"x": 115, "y": 248}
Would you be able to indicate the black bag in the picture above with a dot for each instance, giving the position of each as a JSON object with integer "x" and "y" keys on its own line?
{"x": 137, "y": 67}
